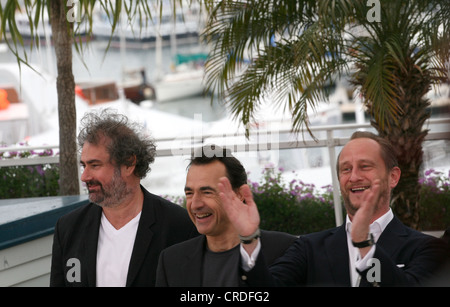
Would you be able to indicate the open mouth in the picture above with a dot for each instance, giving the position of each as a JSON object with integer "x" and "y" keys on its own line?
{"x": 359, "y": 189}
{"x": 202, "y": 215}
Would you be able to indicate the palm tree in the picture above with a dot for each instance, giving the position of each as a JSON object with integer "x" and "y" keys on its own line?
{"x": 63, "y": 14}
{"x": 393, "y": 50}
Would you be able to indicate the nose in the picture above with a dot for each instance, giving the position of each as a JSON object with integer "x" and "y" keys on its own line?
{"x": 196, "y": 201}
{"x": 355, "y": 175}
{"x": 84, "y": 174}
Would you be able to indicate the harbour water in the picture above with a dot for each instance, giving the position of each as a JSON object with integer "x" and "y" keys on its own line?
{"x": 98, "y": 64}
{"x": 310, "y": 165}
{"x": 168, "y": 173}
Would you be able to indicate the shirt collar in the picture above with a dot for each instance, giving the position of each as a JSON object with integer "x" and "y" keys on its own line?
{"x": 377, "y": 227}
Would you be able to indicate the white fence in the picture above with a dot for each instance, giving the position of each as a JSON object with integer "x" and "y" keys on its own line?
{"x": 328, "y": 137}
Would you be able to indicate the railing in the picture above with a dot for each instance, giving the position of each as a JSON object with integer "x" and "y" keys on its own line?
{"x": 185, "y": 146}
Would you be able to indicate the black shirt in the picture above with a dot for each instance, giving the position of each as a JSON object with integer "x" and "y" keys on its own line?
{"x": 221, "y": 269}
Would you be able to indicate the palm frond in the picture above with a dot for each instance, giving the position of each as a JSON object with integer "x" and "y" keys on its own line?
{"x": 294, "y": 70}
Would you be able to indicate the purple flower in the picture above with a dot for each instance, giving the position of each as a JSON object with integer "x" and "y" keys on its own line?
{"x": 429, "y": 172}
{"x": 40, "y": 170}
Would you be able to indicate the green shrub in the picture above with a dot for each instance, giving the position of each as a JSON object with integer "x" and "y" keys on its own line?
{"x": 434, "y": 201}
{"x": 296, "y": 208}
{"x": 30, "y": 180}
{"x": 300, "y": 208}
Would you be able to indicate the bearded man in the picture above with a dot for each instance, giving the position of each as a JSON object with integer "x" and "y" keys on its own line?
{"x": 116, "y": 239}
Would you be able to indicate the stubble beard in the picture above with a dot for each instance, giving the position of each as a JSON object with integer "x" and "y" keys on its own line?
{"x": 111, "y": 194}
{"x": 382, "y": 198}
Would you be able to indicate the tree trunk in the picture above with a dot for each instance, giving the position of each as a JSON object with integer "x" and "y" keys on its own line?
{"x": 62, "y": 38}
{"x": 405, "y": 198}
{"x": 407, "y": 137}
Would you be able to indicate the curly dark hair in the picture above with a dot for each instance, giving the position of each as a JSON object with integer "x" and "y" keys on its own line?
{"x": 124, "y": 139}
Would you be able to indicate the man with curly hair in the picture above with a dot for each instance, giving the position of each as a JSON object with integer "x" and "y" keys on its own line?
{"x": 116, "y": 239}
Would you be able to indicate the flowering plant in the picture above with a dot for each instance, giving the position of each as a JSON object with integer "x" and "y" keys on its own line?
{"x": 28, "y": 180}
{"x": 295, "y": 207}
{"x": 179, "y": 199}
{"x": 434, "y": 200}
{"x": 435, "y": 181}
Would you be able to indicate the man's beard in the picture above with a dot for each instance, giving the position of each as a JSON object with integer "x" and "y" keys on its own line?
{"x": 110, "y": 195}
{"x": 382, "y": 198}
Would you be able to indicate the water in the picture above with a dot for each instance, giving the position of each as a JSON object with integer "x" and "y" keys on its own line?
{"x": 98, "y": 64}
{"x": 168, "y": 173}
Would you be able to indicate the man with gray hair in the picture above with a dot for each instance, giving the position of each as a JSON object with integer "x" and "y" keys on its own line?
{"x": 116, "y": 239}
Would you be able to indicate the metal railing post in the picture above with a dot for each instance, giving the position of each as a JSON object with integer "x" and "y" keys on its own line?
{"x": 331, "y": 144}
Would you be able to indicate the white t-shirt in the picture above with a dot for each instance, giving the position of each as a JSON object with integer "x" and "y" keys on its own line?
{"x": 114, "y": 252}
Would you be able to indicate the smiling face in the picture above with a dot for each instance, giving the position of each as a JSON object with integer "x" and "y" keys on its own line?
{"x": 360, "y": 163}
{"x": 203, "y": 202}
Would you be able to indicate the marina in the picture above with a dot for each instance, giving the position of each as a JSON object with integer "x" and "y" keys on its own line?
{"x": 184, "y": 122}
{"x": 142, "y": 77}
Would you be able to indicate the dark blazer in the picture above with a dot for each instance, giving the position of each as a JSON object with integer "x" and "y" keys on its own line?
{"x": 161, "y": 224}
{"x": 181, "y": 265}
{"x": 407, "y": 257}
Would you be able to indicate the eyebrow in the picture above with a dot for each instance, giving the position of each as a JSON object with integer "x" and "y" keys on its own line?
{"x": 358, "y": 161}
{"x": 366, "y": 161}
{"x": 205, "y": 188}
{"x": 90, "y": 161}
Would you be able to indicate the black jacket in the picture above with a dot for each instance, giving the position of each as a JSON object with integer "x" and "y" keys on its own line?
{"x": 407, "y": 258}
{"x": 161, "y": 225}
{"x": 181, "y": 265}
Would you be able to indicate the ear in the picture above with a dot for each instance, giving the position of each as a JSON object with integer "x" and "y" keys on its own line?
{"x": 240, "y": 194}
{"x": 128, "y": 170}
{"x": 395, "y": 175}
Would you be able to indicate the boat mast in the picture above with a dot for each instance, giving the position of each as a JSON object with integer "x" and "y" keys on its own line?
{"x": 158, "y": 46}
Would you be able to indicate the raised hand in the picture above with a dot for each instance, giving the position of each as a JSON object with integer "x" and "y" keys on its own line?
{"x": 244, "y": 214}
{"x": 366, "y": 214}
